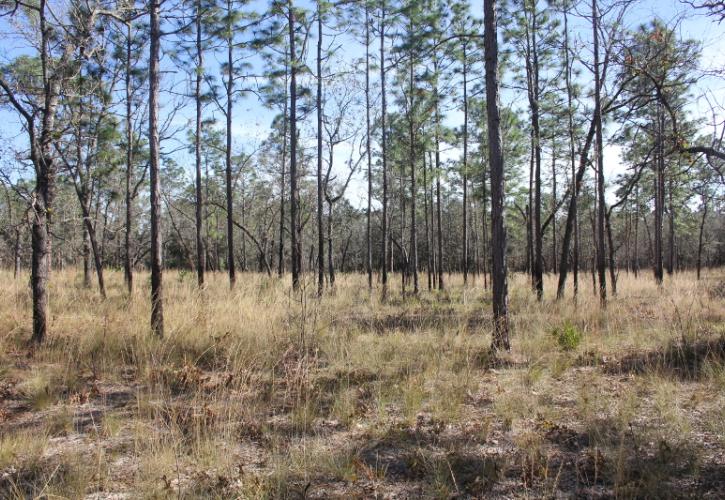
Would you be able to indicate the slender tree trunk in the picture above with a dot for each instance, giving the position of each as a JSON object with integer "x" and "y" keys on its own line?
{"x": 90, "y": 231}
{"x": 529, "y": 217}
{"x": 439, "y": 225}
{"x": 437, "y": 125}
{"x": 127, "y": 262}
{"x": 601, "y": 205}
{"x": 320, "y": 235}
{"x": 428, "y": 242}
{"x": 157, "y": 311}
{"x": 330, "y": 257}
{"x": 538, "y": 255}
{"x": 294, "y": 190}
{"x": 86, "y": 257}
{"x": 413, "y": 187}
{"x": 671, "y": 232}
{"x": 484, "y": 228}
{"x": 228, "y": 152}
{"x": 16, "y": 254}
{"x": 571, "y": 219}
{"x": 659, "y": 198}
{"x": 200, "y": 251}
{"x": 554, "y": 249}
{"x": 612, "y": 262}
{"x": 700, "y": 236}
{"x": 496, "y": 162}
{"x": 383, "y": 153}
{"x": 635, "y": 243}
{"x": 368, "y": 153}
{"x": 283, "y": 184}
{"x": 465, "y": 163}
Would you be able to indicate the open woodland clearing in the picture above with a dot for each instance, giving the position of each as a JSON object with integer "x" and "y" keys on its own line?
{"x": 255, "y": 394}
{"x": 362, "y": 249}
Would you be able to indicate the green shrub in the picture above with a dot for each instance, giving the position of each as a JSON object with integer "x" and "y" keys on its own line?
{"x": 567, "y": 336}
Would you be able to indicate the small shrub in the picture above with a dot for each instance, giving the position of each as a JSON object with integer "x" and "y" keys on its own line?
{"x": 568, "y": 337}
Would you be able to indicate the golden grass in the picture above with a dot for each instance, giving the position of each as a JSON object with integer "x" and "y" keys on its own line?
{"x": 258, "y": 392}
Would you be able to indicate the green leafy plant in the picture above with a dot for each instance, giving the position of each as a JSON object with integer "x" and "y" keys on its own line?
{"x": 567, "y": 336}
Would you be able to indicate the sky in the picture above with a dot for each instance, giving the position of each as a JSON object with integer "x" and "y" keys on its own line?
{"x": 252, "y": 119}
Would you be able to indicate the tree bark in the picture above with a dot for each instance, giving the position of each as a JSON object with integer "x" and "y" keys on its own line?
{"x": 157, "y": 311}
{"x": 383, "y": 153}
{"x": 280, "y": 250}
{"x": 601, "y": 205}
{"x": 320, "y": 235}
{"x": 294, "y": 190}
{"x": 659, "y": 188}
{"x": 533, "y": 83}
{"x": 413, "y": 188}
{"x": 200, "y": 251}
{"x": 700, "y": 236}
{"x": 465, "y": 163}
{"x": 496, "y": 162}
{"x": 127, "y": 244}
{"x": 368, "y": 153}
{"x": 228, "y": 150}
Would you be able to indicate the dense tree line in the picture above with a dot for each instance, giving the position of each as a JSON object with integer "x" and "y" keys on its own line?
{"x": 410, "y": 138}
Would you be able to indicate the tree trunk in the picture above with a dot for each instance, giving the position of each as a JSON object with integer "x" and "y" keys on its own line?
{"x": 86, "y": 256}
{"x": 157, "y": 312}
{"x": 413, "y": 188}
{"x": 659, "y": 187}
{"x": 601, "y": 205}
{"x": 200, "y": 251}
{"x": 368, "y": 153}
{"x": 612, "y": 267}
{"x": 383, "y": 152}
{"x": 533, "y": 77}
{"x": 16, "y": 254}
{"x": 700, "y": 236}
{"x": 439, "y": 226}
{"x": 496, "y": 162}
{"x": 283, "y": 186}
{"x": 671, "y": 232}
{"x": 330, "y": 258}
{"x": 428, "y": 242}
{"x": 554, "y": 250}
{"x": 294, "y": 190}
{"x": 127, "y": 262}
{"x": 635, "y": 243}
{"x": 320, "y": 235}
{"x": 228, "y": 152}
{"x": 465, "y": 164}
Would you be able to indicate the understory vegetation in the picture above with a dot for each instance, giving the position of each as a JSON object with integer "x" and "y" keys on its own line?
{"x": 260, "y": 392}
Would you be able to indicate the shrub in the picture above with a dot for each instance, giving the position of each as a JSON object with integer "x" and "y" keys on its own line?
{"x": 567, "y": 336}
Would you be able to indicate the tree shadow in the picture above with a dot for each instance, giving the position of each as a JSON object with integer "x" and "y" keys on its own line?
{"x": 680, "y": 359}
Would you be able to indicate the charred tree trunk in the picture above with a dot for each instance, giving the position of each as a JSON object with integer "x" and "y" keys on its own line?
{"x": 700, "y": 236}
{"x": 496, "y": 162}
{"x": 200, "y": 251}
{"x": 294, "y": 189}
{"x": 320, "y": 235}
{"x": 601, "y": 206}
{"x": 127, "y": 258}
{"x": 383, "y": 152}
{"x": 157, "y": 311}
{"x": 368, "y": 153}
{"x": 465, "y": 163}
{"x": 231, "y": 266}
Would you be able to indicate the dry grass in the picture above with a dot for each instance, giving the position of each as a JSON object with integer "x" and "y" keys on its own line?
{"x": 259, "y": 393}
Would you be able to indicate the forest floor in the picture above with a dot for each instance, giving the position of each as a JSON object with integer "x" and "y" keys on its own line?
{"x": 256, "y": 394}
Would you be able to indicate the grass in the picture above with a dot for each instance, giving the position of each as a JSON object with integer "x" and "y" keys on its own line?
{"x": 259, "y": 393}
